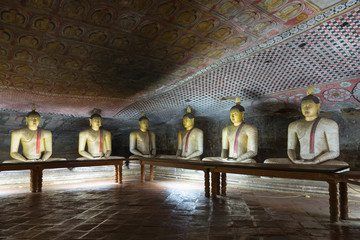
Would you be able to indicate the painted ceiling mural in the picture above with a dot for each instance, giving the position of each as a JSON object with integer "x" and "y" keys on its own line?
{"x": 128, "y": 56}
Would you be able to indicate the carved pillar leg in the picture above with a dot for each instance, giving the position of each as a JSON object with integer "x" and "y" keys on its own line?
{"x": 33, "y": 180}
{"x": 333, "y": 201}
{"x": 120, "y": 175}
{"x": 223, "y": 184}
{"x": 39, "y": 180}
{"x": 207, "y": 182}
{"x": 151, "y": 172}
{"x": 142, "y": 172}
{"x": 218, "y": 183}
{"x": 344, "y": 209}
{"x": 213, "y": 184}
{"x": 116, "y": 173}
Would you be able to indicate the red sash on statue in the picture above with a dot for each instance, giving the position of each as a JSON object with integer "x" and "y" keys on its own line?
{"x": 38, "y": 141}
{"x": 237, "y": 136}
{"x": 101, "y": 140}
{"x": 312, "y": 134}
{"x": 187, "y": 140}
{"x": 149, "y": 142}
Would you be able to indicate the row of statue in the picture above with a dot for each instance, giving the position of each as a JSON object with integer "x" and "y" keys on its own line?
{"x": 318, "y": 139}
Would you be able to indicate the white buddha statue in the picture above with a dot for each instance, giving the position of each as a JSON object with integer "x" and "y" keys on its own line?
{"x": 142, "y": 142}
{"x": 97, "y": 140}
{"x": 36, "y": 143}
{"x": 318, "y": 137}
{"x": 190, "y": 141}
{"x": 239, "y": 140}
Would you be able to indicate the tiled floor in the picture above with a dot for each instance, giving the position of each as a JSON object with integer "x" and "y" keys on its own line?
{"x": 167, "y": 209}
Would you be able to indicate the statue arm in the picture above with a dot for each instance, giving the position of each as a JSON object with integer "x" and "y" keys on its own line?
{"x": 292, "y": 142}
{"x": 252, "y": 144}
{"x": 332, "y": 137}
{"x": 225, "y": 144}
{"x": 179, "y": 147}
{"x": 200, "y": 144}
{"x": 14, "y": 147}
{"x": 132, "y": 145}
{"x": 153, "y": 144}
{"x": 82, "y": 143}
{"x": 48, "y": 145}
{"x": 107, "y": 144}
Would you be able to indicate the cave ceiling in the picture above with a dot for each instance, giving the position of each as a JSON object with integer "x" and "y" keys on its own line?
{"x": 128, "y": 56}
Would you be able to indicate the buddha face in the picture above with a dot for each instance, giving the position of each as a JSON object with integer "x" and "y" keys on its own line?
{"x": 188, "y": 122}
{"x": 33, "y": 121}
{"x": 236, "y": 116}
{"x": 95, "y": 122}
{"x": 310, "y": 109}
{"x": 144, "y": 124}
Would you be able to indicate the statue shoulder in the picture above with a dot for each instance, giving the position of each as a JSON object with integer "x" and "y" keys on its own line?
{"x": 197, "y": 130}
{"x": 250, "y": 126}
{"x": 84, "y": 132}
{"x": 19, "y": 131}
{"x": 328, "y": 123}
{"x": 296, "y": 123}
{"x": 45, "y": 132}
{"x": 152, "y": 133}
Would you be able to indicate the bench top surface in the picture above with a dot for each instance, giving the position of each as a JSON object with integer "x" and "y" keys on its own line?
{"x": 59, "y": 164}
{"x": 254, "y": 166}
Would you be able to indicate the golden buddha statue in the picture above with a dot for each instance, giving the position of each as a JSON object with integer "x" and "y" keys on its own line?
{"x": 142, "y": 141}
{"x": 98, "y": 141}
{"x": 190, "y": 141}
{"x": 239, "y": 140}
{"x": 36, "y": 143}
{"x": 318, "y": 137}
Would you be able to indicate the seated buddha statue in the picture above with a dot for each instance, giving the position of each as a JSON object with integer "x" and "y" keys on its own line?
{"x": 36, "y": 143}
{"x": 142, "y": 142}
{"x": 239, "y": 140}
{"x": 97, "y": 140}
{"x": 190, "y": 142}
{"x": 318, "y": 137}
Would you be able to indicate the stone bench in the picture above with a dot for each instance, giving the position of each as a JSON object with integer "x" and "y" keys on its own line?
{"x": 36, "y": 168}
{"x": 329, "y": 174}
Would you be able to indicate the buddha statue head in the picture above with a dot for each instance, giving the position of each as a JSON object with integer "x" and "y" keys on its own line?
{"x": 32, "y": 119}
{"x": 95, "y": 121}
{"x": 310, "y": 105}
{"x": 143, "y": 122}
{"x": 237, "y": 112}
{"x": 188, "y": 119}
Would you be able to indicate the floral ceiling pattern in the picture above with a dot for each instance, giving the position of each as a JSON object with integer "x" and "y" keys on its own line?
{"x": 70, "y": 56}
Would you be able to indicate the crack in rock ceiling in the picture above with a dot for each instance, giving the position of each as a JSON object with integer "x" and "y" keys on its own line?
{"x": 124, "y": 57}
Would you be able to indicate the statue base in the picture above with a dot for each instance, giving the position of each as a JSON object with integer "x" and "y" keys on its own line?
{"x": 229, "y": 160}
{"x": 100, "y": 158}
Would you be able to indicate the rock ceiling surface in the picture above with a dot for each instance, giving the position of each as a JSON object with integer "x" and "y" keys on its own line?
{"x": 124, "y": 57}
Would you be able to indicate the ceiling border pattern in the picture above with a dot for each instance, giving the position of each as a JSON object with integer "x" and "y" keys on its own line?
{"x": 291, "y": 33}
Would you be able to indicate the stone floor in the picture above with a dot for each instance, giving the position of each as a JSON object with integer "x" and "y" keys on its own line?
{"x": 167, "y": 209}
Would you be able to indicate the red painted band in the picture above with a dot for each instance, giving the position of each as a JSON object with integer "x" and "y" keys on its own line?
{"x": 237, "y": 136}
{"x": 101, "y": 140}
{"x": 38, "y": 140}
{"x": 312, "y": 135}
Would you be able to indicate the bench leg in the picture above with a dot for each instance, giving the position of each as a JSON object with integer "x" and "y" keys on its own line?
{"x": 213, "y": 185}
{"x": 333, "y": 201}
{"x": 142, "y": 167}
{"x": 119, "y": 173}
{"x": 218, "y": 183}
{"x": 33, "y": 180}
{"x": 344, "y": 208}
{"x": 223, "y": 184}
{"x": 39, "y": 180}
{"x": 116, "y": 173}
{"x": 151, "y": 172}
{"x": 207, "y": 182}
